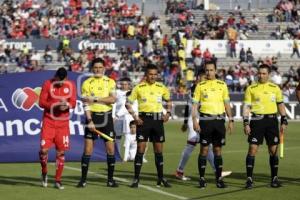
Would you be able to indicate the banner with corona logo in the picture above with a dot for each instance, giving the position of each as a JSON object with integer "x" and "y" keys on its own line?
{"x": 75, "y": 44}
{"x": 21, "y": 118}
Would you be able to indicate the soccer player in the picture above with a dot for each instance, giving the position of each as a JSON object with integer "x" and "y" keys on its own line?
{"x": 98, "y": 93}
{"x": 213, "y": 98}
{"x": 120, "y": 113}
{"x": 130, "y": 143}
{"x": 57, "y": 97}
{"x": 150, "y": 95}
{"x": 263, "y": 100}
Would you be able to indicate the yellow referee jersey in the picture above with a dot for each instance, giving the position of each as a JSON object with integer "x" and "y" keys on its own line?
{"x": 98, "y": 87}
{"x": 263, "y": 98}
{"x": 149, "y": 97}
{"x": 211, "y": 94}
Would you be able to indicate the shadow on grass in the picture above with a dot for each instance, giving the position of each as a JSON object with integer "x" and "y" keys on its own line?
{"x": 20, "y": 181}
{"x": 258, "y": 177}
{"x": 36, "y": 181}
{"x": 265, "y": 178}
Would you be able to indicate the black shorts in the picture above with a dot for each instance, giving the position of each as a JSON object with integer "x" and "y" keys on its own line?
{"x": 265, "y": 127}
{"x": 103, "y": 123}
{"x": 152, "y": 129}
{"x": 212, "y": 131}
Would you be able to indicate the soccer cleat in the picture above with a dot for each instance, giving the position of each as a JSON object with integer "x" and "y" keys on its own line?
{"x": 112, "y": 183}
{"x": 179, "y": 175}
{"x": 144, "y": 160}
{"x": 249, "y": 183}
{"x": 44, "y": 180}
{"x": 220, "y": 184}
{"x": 202, "y": 183}
{"x": 226, "y": 173}
{"x": 59, "y": 185}
{"x": 275, "y": 182}
{"x": 135, "y": 183}
{"x": 163, "y": 182}
{"x": 81, "y": 184}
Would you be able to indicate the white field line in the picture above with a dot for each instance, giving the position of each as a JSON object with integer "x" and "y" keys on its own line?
{"x": 158, "y": 190}
{"x": 127, "y": 181}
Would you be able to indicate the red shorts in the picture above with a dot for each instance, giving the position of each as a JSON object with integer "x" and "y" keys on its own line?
{"x": 58, "y": 135}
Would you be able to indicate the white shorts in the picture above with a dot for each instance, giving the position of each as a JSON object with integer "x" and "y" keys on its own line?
{"x": 193, "y": 136}
{"x": 118, "y": 126}
{"x": 122, "y": 125}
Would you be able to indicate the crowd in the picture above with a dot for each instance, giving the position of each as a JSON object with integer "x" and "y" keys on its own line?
{"x": 168, "y": 51}
{"x": 72, "y": 18}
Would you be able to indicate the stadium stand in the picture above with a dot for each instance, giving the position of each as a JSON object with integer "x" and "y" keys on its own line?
{"x": 159, "y": 35}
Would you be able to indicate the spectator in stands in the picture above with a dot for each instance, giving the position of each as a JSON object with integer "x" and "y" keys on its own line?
{"x": 278, "y": 33}
{"x": 214, "y": 59}
{"x": 295, "y": 48}
{"x": 249, "y": 4}
{"x": 287, "y": 91}
{"x": 35, "y": 58}
{"x": 287, "y": 7}
{"x": 276, "y": 78}
{"x": 229, "y": 79}
{"x": 3, "y": 69}
{"x": 292, "y": 74}
{"x": 278, "y": 13}
{"x": 249, "y": 55}
{"x": 232, "y": 48}
{"x": 243, "y": 35}
{"x": 243, "y": 83}
{"x": 48, "y": 54}
{"x": 207, "y": 55}
{"x": 268, "y": 61}
{"x": 242, "y": 55}
{"x": 75, "y": 66}
{"x": 2, "y": 54}
{"x": 254, "y": 22}
{"x": 242, "y": 25}
{"x": 259, "y": 61}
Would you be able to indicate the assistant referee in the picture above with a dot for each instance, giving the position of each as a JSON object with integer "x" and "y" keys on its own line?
{"x": 150, "y": 95}
{"x": 98, "y": 94}
{"x": 213, "y": 98}
{"x": 263, "y": 99}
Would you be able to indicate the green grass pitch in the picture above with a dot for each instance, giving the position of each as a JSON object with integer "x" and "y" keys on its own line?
{"x": 22, "y": 181}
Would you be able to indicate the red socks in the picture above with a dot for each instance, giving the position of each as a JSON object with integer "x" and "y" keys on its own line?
{"x": 43, "y": 161}
{"x": 60, "y": 161}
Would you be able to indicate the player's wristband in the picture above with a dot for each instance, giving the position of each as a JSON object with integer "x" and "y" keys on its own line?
{"x": 246, "y": 122}
{"x": 283, "y": 120}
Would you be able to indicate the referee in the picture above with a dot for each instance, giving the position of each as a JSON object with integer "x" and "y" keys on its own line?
{"x": 150, "y": 95}
{"x": 98, "y": 93}
{"x": 263, "y": 100}
{"x": 213, "y": 98}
